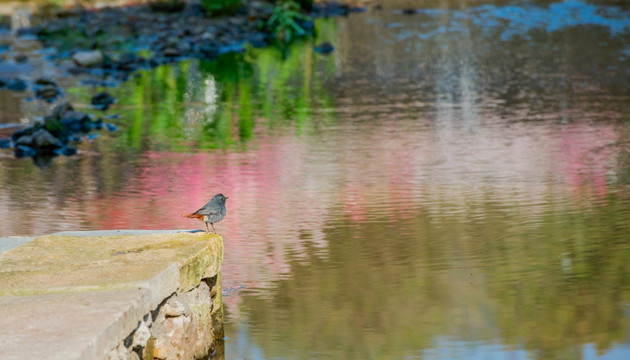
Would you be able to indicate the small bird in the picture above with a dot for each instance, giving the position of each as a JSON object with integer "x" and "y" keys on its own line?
{"x": 212, "y": 212}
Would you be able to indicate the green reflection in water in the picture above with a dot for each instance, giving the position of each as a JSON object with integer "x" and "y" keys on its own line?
{"x": 388, "y": 288}
{"x": 218, "y": 104}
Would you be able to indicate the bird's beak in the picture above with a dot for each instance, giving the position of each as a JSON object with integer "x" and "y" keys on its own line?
{"x": 226, "y": 198}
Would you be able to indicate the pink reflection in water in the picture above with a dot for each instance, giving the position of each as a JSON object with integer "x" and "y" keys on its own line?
{"x": 584, "y": 164}
{"x": 288, "y": 187}
{"x": 284, "y": 192}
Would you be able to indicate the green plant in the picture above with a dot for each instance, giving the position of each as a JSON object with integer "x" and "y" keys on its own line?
{"x": 282, "y": 23}
{"x": 221, "y": 7}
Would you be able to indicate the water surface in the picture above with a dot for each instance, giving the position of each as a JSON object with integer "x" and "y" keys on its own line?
{"x": 451, "y": 184}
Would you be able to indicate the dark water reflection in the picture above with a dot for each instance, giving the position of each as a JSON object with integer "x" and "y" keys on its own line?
{"x": 447, "y": 185}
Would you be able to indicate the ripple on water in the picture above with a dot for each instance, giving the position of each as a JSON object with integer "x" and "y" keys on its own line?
{"x": 445, "y": 193}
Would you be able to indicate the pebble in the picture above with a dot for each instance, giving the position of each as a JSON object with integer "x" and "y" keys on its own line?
{"x": 48, "y": 92}
{"x": 24, "y": 151}
{"x": 171, "y": 52}
{"x": 88, "y": 58}
{"x": 103, "y": 100}
{"x": 15, "y": 84}
{"x": 20, "y": 59}
{"x": 324, "y": 48}
{"x": 45, "y": 81}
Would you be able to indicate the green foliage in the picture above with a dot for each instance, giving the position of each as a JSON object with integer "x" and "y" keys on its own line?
{"x": 221, "y": 7}
{"x": 283, "y": 22}
{"x": 192, "y": 105}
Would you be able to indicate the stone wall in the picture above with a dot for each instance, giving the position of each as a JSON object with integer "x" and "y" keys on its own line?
{"x": 186, "y": 325}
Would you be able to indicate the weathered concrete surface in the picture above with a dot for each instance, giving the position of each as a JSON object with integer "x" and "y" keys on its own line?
{"x": 78, "y": 297}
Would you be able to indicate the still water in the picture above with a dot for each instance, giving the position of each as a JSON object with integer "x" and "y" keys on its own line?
{"x": 451, "y": 184}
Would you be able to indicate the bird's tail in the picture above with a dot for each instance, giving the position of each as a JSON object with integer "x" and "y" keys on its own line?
{"x": 193, "y": 216}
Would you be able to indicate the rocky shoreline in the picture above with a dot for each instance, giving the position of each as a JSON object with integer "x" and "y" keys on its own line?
{"x": 112, "y": 43}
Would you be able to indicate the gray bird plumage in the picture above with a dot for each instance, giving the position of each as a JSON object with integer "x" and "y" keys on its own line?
{"x": 212, "y": 212}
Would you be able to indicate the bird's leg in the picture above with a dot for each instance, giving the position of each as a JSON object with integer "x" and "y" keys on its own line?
{"x": 208, "y": 230}
{"x": 214, "y": 231}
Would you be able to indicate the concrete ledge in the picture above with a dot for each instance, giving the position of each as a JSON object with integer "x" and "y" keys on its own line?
{"x": 80, "y": 295}
{"x": 7, "y": 243}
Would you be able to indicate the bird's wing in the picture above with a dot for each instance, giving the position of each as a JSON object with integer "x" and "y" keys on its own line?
{"x": 208, "y": 211}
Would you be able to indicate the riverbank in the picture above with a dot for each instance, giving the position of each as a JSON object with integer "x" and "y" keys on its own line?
{"x": 105, "y": 47}
{"x": 136, "y": 36}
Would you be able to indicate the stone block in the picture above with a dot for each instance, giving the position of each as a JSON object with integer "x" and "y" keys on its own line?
{"x": 110, "y": 296}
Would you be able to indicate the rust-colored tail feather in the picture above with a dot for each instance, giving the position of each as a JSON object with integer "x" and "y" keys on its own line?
{"x": 193, "y": 216}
